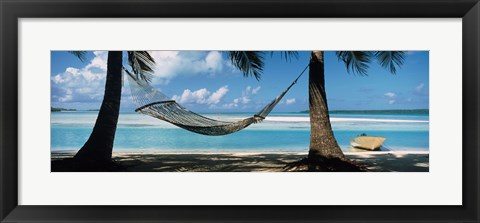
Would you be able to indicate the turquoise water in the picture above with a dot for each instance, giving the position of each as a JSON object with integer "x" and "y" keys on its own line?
{"x": 280, "y": 132}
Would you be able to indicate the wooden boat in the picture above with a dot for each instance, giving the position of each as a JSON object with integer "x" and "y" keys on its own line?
{"x": 367, "y": 142}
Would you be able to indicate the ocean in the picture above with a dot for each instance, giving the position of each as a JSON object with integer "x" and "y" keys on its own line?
{"x": 279, "y": 132}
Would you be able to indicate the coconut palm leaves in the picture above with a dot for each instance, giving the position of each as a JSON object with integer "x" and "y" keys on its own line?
{"x": 286, "y": 55}
{"x": 142, "y": 65}
{"x": 358, "y": 62}
{"x": 390, "y": 60}
{"x": 79, "y": 54}
{"x": 355, "y": 61}
{"x": 249, "y": 62}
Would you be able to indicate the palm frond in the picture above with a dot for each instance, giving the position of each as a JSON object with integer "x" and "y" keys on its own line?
{"x": 80, "y": 55}
{"x": 286, "y": 55}
{"x": 142, "y": 65}
{"x": 390, "y": 60}
{"x": 249, "y": 62}
{"x": 355, "y": 61}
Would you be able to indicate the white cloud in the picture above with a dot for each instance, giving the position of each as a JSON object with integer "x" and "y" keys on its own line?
{"x": 419, "y": 87}
{"x": 213, "y": 61}
{"x": 170, "y": 64}
{"x": 201, "y": 96}
{"x": 255, "y": 90}
{"x": 230, "y": 105}
{"x": 67, "y": 97}
{"x": 245, "y": 99}
{"x": 251, "y": 91}
{"x": 290, "y": 101}
{"x": 189, "y": 96}
{"x": 218, "y": 95}
{"x": 86, "y": 84}
{"x": 390, "y": 94}
{"x": 242, "y": 100}
{"x": 99, "y": 61}
{"x": 81, "y": 84}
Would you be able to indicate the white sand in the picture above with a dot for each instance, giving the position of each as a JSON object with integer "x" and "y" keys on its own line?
{"x": 405, "y": 161}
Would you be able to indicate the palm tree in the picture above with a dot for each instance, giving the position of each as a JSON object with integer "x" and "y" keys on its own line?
{"x": 324, "y": 152}
{"x": 99, "y": 146}
{"x": 100, "y": 143}
{"x": 323, "y": 146}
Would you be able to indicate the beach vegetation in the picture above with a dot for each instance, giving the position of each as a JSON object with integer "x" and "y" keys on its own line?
{"x": 53, "y": 109}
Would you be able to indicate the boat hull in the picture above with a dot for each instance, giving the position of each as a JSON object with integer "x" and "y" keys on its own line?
{"x": 367, "y": 142}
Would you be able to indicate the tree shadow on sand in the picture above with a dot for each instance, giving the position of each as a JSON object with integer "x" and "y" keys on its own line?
{"x": 76, "y": 165}
{"x": 323, "y": 164}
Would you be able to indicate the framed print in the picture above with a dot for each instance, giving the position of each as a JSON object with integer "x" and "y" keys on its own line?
{"x": 226, "y": 111}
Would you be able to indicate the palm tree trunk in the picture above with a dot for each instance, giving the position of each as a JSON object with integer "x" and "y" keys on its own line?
{"x": 322, "y": 141}
{"x": 100, "y": 143}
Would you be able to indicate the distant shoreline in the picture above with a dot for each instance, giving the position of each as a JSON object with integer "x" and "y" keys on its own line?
{"x": 52, "y": 109}
{"x": 380, "y": 112}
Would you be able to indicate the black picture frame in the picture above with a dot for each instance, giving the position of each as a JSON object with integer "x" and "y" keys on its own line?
{"x": 12, "y": 10}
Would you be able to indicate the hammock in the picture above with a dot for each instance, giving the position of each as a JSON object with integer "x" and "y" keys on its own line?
{"x": 154, "y": 103}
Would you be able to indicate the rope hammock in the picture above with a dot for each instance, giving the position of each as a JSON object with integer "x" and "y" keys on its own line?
{"x": 154, "y": 103}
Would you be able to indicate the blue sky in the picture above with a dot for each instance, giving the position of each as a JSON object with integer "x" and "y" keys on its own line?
{"x": 205, "y": 81}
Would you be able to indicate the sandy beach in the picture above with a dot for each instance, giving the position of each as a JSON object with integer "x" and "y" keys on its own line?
{"x": 375, "y": 161}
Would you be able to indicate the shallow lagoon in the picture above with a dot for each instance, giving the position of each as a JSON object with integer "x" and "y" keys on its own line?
{"x": 279, "y": 132}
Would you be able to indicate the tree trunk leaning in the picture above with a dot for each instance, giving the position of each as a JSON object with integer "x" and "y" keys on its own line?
{"x": 322, "y": 141}
{"x": 99, "y": 145}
